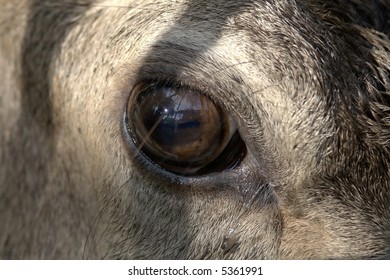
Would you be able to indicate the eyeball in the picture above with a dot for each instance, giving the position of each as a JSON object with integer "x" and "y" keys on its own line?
{"x": 182, "y": 131}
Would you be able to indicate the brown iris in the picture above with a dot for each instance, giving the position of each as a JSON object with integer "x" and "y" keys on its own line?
{"x": 181, "y": 130}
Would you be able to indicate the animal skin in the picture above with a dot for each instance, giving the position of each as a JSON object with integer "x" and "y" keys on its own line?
{"x": 306, "y": 84}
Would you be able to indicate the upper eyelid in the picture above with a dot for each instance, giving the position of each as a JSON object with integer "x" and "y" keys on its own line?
{"x": 159, "y": 74}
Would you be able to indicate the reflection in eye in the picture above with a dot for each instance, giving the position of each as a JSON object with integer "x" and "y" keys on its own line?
{"x": 182, "y": 131}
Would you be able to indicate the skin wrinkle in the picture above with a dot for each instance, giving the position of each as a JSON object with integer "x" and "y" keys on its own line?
{"x": 306, "y": 81}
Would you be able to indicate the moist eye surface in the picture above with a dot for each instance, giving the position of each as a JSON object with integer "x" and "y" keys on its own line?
{"x": 181, "y": 130}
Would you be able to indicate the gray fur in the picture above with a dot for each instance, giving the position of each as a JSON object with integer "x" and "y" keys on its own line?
{"x": 307, "y": 81}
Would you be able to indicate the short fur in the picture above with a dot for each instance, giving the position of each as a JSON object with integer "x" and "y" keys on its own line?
{"x": 307, "y": 81}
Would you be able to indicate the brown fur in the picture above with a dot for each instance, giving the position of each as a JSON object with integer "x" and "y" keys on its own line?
{"x": 307, "y": 81}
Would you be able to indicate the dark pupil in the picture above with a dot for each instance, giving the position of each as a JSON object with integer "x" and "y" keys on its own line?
{"x": 175, "y": 119}
{"x": 178, "y": 127}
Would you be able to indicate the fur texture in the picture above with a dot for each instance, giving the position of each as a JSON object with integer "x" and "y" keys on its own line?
{"x": 307, "y": 82}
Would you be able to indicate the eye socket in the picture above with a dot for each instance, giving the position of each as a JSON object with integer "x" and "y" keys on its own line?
{"x": 182, "y": 131}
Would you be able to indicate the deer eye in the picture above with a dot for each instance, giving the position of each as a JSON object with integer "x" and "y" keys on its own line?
{"x": 182, "y": 131}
